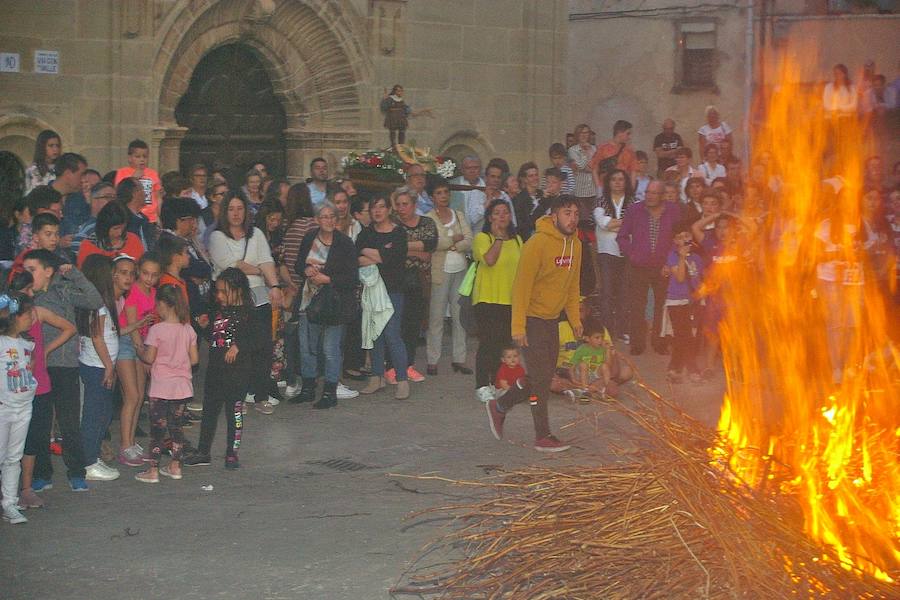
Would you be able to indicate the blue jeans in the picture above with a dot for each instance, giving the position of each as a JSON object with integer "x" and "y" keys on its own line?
{"x": 391, "y": 338}
{"x": 316, "y": 339}
{"x": 96, "y": 413}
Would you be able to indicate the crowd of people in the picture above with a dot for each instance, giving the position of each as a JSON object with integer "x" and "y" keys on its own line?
{"x": 144, "y": 287}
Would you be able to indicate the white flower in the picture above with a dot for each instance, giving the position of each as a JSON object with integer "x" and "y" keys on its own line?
{"x": 446, "y": 169}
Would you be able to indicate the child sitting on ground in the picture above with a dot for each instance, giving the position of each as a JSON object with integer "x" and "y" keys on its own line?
{"x": 511, "y": 372}
{"x": 595, "y": 371}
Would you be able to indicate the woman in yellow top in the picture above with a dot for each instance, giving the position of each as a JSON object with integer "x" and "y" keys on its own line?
{"x": 496, "y": 249}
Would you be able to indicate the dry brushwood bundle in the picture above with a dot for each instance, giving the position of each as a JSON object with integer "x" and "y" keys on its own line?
{"x": 672, "y": 523}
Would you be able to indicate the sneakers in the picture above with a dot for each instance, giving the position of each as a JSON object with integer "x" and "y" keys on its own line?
{"x": 12, "y": 514}
{"x": 550, "y": 444}
{"x": 495, "y": 418}
{"x": 100, "y": 471}
{"x": 391, "y": 376}
{"x": 77, "y": 484}
{"x": 265, "y": 408}
{"x": 485, "y": 393}
{"x": 132, "y": 456}
{"x": 345, "y": 393}
{"x": 414, "y": 375}
{"x": 29, "y": 499}
{"x": 575, "y": 395}
{"x": 165, "y": 472}
{"x": 292, "y": 390}
{"x": 375, "y": 384}
{"x": 232, "y": 463}
{"x": 39, "y": 485}
{"x": 147, "y": 477}
{"x": 402, "y": 392}
{"x": 195, "y": 459}
{"x": 249, "y": 399}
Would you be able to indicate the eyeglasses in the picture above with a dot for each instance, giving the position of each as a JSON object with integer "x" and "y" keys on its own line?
{"x": 105, "y": 197}
{"x": 327, "y": 217}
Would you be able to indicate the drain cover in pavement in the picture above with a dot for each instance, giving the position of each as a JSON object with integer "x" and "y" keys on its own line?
{"x": 341, "y": 464}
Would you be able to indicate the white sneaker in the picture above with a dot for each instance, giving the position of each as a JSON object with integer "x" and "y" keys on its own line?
{"x": 12, "y": 514}
{"x": 292, "y": 390}
{"x": 282, "y": 384}
{"x": 274, "y": 401}
{"x": 100, "y": 472}
{"x": 250, "y": 399}
{"x": 485, "y": 393}
{"x": 345, "y": 393}
{"x": 133, "y": 453}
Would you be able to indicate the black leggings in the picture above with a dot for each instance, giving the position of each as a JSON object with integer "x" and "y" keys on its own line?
{"x": 494, "y": 332}
{"x": 225, "y": 386}
{"x": 411, "y": 326}
{"x": 260, "y": 348}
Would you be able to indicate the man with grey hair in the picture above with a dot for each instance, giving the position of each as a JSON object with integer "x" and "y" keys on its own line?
{"x": 415, "y": 181}
{"x": 101, "y": 194}
{"x": 471, "y": 175}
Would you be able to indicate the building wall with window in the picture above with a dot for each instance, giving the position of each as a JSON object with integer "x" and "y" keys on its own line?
{"x": 648, "y": 64}
{"x": 646, "y": 61}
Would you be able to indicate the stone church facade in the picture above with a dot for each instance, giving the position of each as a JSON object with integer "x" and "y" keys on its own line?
{"x": 285, "y": 79}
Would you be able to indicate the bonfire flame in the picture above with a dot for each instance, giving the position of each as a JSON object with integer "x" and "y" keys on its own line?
{"x": 795, "y": 419}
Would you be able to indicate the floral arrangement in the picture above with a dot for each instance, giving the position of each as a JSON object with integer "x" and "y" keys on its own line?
{"x": 389, "y": 165}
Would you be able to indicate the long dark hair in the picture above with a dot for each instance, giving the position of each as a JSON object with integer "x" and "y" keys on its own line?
{"x": 843, "y": 69}
{"x": 111, "y": 215}
{"x": 222, "y": 222}
{"x": 486, "y": 228}
{"x": 606, "y": 199}
{"x": 40, "y": 149}
{"x": 235, "y": 279}
{"x": 97, "y": 269}
{"x": 299, "y": 203}
{"x": 269, "y": 208}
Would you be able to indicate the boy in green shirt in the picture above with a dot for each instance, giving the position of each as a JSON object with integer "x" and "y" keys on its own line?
{"x": 596, "y": 371}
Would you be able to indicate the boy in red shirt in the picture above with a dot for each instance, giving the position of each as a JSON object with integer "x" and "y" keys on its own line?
{"x": 512, "y": 388}
{"x": 138, "y": 157}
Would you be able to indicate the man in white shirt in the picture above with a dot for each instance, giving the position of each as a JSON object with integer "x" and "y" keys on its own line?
{"x": 471, "y": 175}
{"x": 478, "y": 201}
{"x": 199, "y": 176}
{"x": 318, "y": 182}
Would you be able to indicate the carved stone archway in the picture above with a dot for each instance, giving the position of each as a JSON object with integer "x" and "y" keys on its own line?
{"x": 314, "y": 57}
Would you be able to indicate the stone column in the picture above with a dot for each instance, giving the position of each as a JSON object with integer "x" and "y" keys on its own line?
{"x": 167, "y": 144}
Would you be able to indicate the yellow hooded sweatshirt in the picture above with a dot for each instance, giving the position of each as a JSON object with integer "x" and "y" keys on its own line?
{"x": 547, "y": 278}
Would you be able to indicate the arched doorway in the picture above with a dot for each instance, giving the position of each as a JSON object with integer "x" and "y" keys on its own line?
{"x": 232, "y": 114}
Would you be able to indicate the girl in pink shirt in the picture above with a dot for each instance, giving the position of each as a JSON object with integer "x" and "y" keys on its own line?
{"x": 171, "y": 347}
{"x": 139, "y": 307}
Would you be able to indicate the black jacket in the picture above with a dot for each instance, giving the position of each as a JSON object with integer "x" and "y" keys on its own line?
{"x": 342, "y": 265}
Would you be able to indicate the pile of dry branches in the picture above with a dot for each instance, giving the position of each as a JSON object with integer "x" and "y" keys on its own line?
{"x": 672, "y": 523}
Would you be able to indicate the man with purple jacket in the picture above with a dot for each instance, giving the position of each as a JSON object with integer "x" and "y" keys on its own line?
{"x": 645, "y": 238}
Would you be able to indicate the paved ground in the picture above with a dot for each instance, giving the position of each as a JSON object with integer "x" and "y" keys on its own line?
{"x": 294, "y": 522}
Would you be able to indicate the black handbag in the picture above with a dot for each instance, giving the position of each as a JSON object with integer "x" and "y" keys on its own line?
{"x": 325, "y": 306}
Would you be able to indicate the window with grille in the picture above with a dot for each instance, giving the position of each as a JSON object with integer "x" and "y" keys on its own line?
{"x": 697, "y": 43}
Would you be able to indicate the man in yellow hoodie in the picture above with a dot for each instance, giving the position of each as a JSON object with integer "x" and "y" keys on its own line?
{"x": 546, "y": 283}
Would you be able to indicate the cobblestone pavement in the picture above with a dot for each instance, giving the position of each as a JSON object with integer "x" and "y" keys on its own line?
{"x": 313, "y": 512}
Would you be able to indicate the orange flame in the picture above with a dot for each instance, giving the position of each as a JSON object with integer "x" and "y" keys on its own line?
{"x": 811, "y": 405}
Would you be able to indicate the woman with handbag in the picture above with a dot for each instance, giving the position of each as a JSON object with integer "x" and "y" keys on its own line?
{"x": 496, "y": 251}
{"x": 236, "y": 244}
{"x": 383, "y": 243}
{"x": 328, "y": 270}
{"x": 448, "y": 268}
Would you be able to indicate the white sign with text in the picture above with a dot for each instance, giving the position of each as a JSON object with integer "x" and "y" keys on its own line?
{"x": 10, "y": 62}
{"x": 46, "y": 61}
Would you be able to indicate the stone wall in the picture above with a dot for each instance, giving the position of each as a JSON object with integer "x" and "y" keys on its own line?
{"x": 490, "y": 70}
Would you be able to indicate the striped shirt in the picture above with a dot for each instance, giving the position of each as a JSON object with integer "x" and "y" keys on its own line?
{"x": 291, "y": 245}
{"x": 584, "y": 180}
